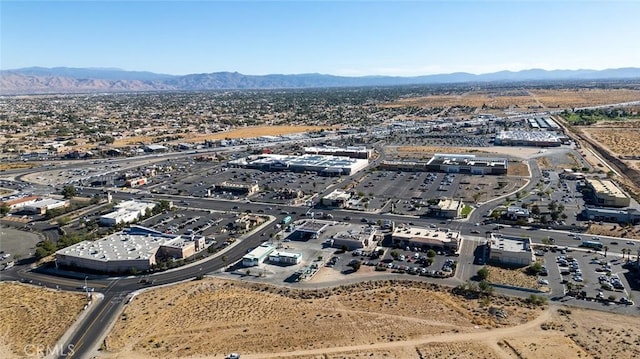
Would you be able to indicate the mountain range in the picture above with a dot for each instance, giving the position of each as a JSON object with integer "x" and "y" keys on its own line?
{"x": 39, "y": 80}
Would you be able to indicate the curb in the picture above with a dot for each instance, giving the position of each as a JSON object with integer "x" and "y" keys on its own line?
{"x": 79, "y": 319}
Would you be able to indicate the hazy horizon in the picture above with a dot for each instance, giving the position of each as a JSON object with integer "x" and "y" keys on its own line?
{"x": 350, "y": 38}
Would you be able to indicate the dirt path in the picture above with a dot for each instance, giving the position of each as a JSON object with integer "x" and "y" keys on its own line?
{"x": 488, "y": 336}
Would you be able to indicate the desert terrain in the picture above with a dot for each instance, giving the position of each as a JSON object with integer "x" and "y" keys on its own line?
{"x": 34, "y": 316}
{"x": 245, "y": 132}
{"x": 384, "y": 319}
{"x": 552, "y": 98}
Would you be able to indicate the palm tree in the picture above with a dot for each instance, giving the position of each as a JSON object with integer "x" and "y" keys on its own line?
{"x": 606, "y": 248}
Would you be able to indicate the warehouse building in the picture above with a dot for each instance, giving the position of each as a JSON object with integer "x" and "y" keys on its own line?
{"x": 135, "y": 248}
{"x": 446, "y": 208}
{"x": 528, "y": 138}
{"x": 510, "y": 250}
{"x": 126, "y": 212}
{"x": 258, "y": 255}
{"x": 606, "y": 193}
{"x": 349, "y": 151}
{"x": 440, "y": 238}
{"x": 337, "y": 198}
{"x": 321, "y": 164}
{"x": 455, "y": 163}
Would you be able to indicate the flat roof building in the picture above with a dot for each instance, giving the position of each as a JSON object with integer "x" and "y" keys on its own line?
{"x": 20, "y": 202}
{"x": 285, "y": 258}
{"x": 613, "y": 215}
{"x": 528, "y": 138}
{"x": 258, "y": 255}
{"x": 510, "y": 250}
{"x": 323, "y": 165}
{"x": 41, "y": 206}
{"x": 243, "y": 188}
{"x": 311, "y": 229}
{"x": 446, "y": 208}
{"x": 337, "y": 198}
{"x": 363, "y": 237}
{"x": 426, "y": 237}
{"x": 461, "y": 163}
{"x": 126, "y": 212}
{"x": 134, "y": 248}
{"x": 407, "y": 166}
{"x": 516, "y": 212}
{"x": 606, "y": 193}
{"x": 349, "y": 151}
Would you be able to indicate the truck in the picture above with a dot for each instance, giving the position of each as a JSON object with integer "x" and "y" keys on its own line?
{"x": 286, "y": 220}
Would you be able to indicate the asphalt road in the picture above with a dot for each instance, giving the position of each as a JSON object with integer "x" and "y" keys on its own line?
{"x": 115, "y": 290}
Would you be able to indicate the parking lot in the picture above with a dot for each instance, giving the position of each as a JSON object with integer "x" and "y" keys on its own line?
{"x": 275, "y": 187}
{"x": 588, "y": 275}
{"x": 213, "y": 225}
{"x": 410, "y": 192}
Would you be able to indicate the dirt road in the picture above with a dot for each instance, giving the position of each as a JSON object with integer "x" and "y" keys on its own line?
{"x": 491, "y": 337}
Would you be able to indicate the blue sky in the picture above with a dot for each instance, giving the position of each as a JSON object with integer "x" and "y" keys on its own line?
{"x": 403, "y": 38}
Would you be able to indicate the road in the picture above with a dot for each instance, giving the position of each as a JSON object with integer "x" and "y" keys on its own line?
{"x": 92, "y": 329}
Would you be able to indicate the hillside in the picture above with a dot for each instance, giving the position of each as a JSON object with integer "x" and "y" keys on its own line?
{"x": 34, "y": 80}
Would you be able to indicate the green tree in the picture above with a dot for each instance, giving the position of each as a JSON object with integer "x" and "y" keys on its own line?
{"x": 356, "y": 266}
{"x": 4, "y": 209}
{"x": 431, "y": 253}
{"x": 69, "y": 191}
{"x": 429, "y": 261}
{"x": 535, "y": 268}
{"x": 485, "y": 287}
{"x": 535, "y": 210}
{"x": 483, "y": 273}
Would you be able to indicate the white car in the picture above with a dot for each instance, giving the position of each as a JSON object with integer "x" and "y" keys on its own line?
{"x": 543, "y": 281}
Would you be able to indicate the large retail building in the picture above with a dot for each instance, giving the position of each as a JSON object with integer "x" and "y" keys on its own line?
{"x": 136, "y": 248}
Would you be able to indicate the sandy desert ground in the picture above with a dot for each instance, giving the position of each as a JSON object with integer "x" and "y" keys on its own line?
{"x": 247, "y": 132}
{"x": 621, "y": 141}
{"x": 34, "y": 316}
{"x": 561, "y": 98}
{"x": 387, "y": 319}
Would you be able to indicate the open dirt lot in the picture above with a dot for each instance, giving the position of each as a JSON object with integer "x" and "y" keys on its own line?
{"x": 385, "y": 319}
{"x": 561, "y": 98}
{"x": 514, "y": 277}
{"x": 472, "y": 99}
{"x": 565, "y": 98}
{"x": 620, "y": 141}
{"x": 247, "y": 132}
{"x": 614, "y": 230}
{"x": 518, "y": 169}
{"x": 212, "y": 317}
{"x": 34, "y": 316}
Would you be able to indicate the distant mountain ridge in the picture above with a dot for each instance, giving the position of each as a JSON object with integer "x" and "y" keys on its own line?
{"x": 38, "y": 80}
